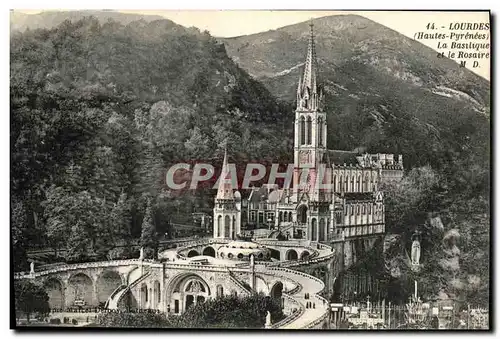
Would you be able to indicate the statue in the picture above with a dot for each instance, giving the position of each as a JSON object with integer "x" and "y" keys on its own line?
{"x": 252, "y": 260}
{"x": 141, "y": 255}
{"x": 268, "y": 319}
{"x": 32, "y": 267}
{"x": 415, "y": 249}
{"x": 415, "y": 253}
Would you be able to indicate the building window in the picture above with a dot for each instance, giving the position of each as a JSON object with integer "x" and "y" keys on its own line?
{"x": 352, "y": 210}
{"x": 309, "y": 130}
{"x": 302, "y": 127}
{"x": 338, "y": 218}
{"x": 320, "y": 130}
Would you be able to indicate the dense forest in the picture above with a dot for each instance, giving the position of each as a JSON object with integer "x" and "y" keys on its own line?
{"x": 100, "y": 110}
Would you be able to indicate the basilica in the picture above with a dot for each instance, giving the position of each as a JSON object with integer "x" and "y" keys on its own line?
{"x": 352, "y": 205}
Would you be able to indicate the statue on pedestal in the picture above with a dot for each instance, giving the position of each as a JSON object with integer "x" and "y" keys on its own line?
{"x": 268, "y": 319}
{"x": 141, "y": 254}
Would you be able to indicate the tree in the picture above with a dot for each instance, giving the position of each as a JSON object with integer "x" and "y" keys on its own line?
{"x": 121, "y": 220}
{"x": 149, "y": 239}
{"x": 19, "y": 235}
{"x": 30, "y": 298}
{"x": 232, "y": 312}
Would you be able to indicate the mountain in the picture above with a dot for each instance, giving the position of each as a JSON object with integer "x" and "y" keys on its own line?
{"x": 49, "y": 19}
{"x": 384, "y": 91}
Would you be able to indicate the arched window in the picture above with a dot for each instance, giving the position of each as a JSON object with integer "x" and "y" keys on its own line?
{"x": 220, "y": 291}
{"x": 335, "y": 183}
{"x": 227, "y": 226}
{"x": 220, "y": 232}
{"x": 352, "y": 184}
{"x": 365, "y": 184}
{"x": 314, "y": 230}
{"x": 309, "y": 130}
{"x": 322, "y": 230}
{"x": 302, "y": 129}
{"x": 358, "y": 188}
{"x": 320, "y": 131}
{"x": 280, "y": 216}
{"x": 341, "y": 184}
{"x": 346, "y": 184}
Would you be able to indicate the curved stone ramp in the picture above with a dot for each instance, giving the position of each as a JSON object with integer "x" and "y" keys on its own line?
{"x": 310, "y": 285}
{"x": 114, "y": 300}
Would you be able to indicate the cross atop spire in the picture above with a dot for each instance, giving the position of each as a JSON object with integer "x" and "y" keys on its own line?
{"x": 307, "y": 91}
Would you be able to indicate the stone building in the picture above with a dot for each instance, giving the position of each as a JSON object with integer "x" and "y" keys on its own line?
{"x": 334, "y": 193}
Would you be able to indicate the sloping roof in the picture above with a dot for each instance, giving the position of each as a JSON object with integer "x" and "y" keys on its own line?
{"x": 340, "y": 158}
{"x": 258, "y": 194}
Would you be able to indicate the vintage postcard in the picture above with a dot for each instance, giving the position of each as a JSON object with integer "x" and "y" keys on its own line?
{"x": 273, "y": 170}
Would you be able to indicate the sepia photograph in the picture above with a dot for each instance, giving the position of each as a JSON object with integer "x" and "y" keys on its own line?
{"x": 264, "y": 170}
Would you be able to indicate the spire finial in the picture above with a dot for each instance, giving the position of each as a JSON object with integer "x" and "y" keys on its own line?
{"x": 308, "y": 87}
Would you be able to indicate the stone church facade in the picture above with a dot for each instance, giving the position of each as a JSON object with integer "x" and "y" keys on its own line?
{"x": 351, "y": 205}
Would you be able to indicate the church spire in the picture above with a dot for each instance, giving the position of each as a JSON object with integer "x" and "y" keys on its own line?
{"x": 225, "y": 189}
{"x": 307, "y": 90}
{"x": 309, "y": 78}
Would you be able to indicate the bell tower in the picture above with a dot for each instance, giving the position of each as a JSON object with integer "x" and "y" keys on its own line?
{"x": 227, "y": 207}
{"x": 310, "y": 127}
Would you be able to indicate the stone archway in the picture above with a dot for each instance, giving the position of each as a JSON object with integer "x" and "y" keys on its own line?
{"x": 322, "y": 230}
{"x": 193, "y": 253}
{"x": 277, "y": 291}
{"x": 80, "y": 288}
{"x": 304, "y": 255}
{"x": 185, "y": 290}
{"x": 107, "y": 283}
{"x": 291, "y": 255}
{"x": 55, "y": 291}
{"x": 209, "y": 251}
{"x": 314, "y": 230}
{"x": 275, "y": 253}
{"x": 302, "y": 214}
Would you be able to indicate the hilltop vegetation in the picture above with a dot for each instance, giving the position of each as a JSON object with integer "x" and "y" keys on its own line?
{"x": 102, "y": 110}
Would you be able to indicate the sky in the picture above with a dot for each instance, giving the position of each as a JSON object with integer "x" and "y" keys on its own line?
{"x": 230, "y": 23}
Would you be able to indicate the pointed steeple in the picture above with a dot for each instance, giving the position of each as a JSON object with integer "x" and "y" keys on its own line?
{"x": 309, "y": 78}
{"x": 307, "y": 91}
{"x": 225, "y": 189}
